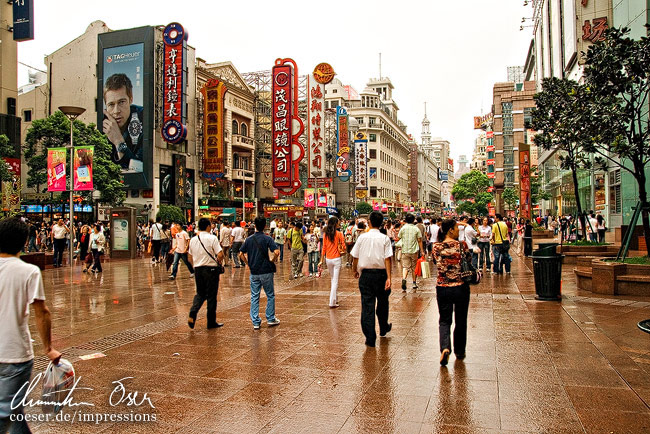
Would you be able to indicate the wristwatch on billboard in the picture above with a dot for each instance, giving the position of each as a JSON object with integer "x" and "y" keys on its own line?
{"x": 122, "y": 147}
{"x": 135, "y": 128}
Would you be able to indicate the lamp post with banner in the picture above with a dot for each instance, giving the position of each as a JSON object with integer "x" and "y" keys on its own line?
{"x": 72, "y": 113}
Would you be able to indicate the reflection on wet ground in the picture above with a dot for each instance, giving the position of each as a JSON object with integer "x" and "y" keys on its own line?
{"x": 575, "y": 366}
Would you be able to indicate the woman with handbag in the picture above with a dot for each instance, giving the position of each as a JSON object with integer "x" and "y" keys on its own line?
{"x": 82, "y": 245}
{"x": 333, "y": 248}
{"x": 97, "y": 244}
{"x": 452, "y": 292}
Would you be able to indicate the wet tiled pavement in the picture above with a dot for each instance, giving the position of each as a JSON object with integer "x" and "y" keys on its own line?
{"x": 576, "y": 366}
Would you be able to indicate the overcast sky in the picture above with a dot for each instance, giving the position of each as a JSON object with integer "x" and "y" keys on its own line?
{"x": 448, "y": 53}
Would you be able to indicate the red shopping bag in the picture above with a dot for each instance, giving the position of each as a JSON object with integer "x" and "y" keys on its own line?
{"x": 418, "y": 266}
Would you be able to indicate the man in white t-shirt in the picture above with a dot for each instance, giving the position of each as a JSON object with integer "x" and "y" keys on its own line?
{"x": 182, "y": 242}
{"x": 207, "y": 255}
{"x": 237, "y": 237}
{"x": 224, "y": 240}
{"x": 21, "y": 285}
{"x": 59, "y": 232}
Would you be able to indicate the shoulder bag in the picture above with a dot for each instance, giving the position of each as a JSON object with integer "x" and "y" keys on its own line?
{"x": 219, "y": 267}
{"x": 265, "y": 255}
{"x": 468, "y": 273}
{"x": 505, "y": 243}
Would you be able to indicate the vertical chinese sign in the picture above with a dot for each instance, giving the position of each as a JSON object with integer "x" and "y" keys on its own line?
{"x": 173, "y": 129}
{"x": 83, "y": 168}
{"x": 56, "y": 169}
{"x": 179, "y": 180}
{"x": 361, "y": 163}
{"x": 489, "y": 149}
{"x": 287, "y": 152}
{"x": 213, "y": 123}
{"x": 524, "y": 183}
{"x": 11, "y": 189}
{"x": 342, "y": 145}
{"x": 323, "y": 74}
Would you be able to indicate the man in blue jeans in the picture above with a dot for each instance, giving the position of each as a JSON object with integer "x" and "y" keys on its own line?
{"x": 21, "y": 284}
{"x": 255, "y": 252}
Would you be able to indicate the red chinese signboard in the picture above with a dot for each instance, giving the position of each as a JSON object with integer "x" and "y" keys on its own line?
{"x": 173, "y": 130}
{"x": 489, "y": 148}
{"x": 489, "y": 134}
{"x": 490, "y": 162}
{"x": 490, "y": 175}
{"x": 594, "y": 30}
{"x": 286, "y": 149}
{"x": 213, "y": 144}
{"x": 316, "y": 121}
{"x": 524, "y": 184}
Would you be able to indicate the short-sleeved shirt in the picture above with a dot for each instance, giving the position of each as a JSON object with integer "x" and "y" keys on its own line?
{"x": 255, "y": 247}
{"x": 371, "y": 249}
{"x": 200, "y": 257}
{"x": 156, "y": 231}
{"x": 312, "y": 242}
{"x": 409, "y": 235}
{"x": 20, "y": 285}
{"x": 182, "y": 242}
{"x": 447, "y": 255}
{"x": 59, "y": 232}
{"x": 500, "y": 231}
{"x": 238, "y": 234}
{"x": 295, "y": 236}
{"x": 279, "y": 235}
{"x": 225, "y": 236}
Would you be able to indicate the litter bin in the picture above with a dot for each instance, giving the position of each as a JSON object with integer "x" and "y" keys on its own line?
{"x": 548, "y": 249}
{"x": 547, "y": 267}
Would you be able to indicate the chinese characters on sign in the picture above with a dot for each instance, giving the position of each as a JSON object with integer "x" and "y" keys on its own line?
{"x": 361, "y": 161}
{"x": 316, "y": 120}
{"x": 179, "y": 180}
{"x": 287, "y": 152}
{"x": 594, "y": 30}
{"x": 173, "y": 130}
{"x": 213, "y": 143}
{"x": 343, "y": 145}
{"x": 11, "y": 189}
{"x": 524, "y": 184}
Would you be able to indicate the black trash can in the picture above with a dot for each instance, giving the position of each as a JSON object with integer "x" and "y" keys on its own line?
{"x": 546, "y": 249}
{"x": 548, "y": 275}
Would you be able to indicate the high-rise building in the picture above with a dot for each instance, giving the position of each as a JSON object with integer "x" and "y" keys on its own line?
{"x": 479, "y": 156}
{"x": 463, "y": 166}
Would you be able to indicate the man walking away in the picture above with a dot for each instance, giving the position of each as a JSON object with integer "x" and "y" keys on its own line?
{"x": 156, "y": 234}
{"x": 224, "y": 239}
{"x": 207, "y": 255}
{"x": 59, "y": 231}
{"x": 21, "y": 284}
{"x": 371, "y": 265}
{"x": 294, "y": 240}
{"x": 237, "y": 236}
{"x": 255, "y": 252}
{"x": 182, "y": 243}
{"x": 411, "y": 239}
{"x": 500, "y": 246}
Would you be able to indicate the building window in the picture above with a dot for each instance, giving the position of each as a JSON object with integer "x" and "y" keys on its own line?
{"x": 360, "y": 120}
{"x": 371, "y": 121}
{"x": 27, "y": 115}
{"x": 507, "y": 117}
{"x": 615, "y": 191}
{"x": 244, "y": 129}
{"x": 373, "y": 137}
{"x": 335, "y": 91}
{"x": 373, "y": 191}
{"x": 235, "y": 127}
{"x": 372, "y": 154}
{"x": 235, "y": 161}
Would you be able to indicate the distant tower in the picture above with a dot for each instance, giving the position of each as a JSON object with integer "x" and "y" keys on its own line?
{"x": 426, "y": 134}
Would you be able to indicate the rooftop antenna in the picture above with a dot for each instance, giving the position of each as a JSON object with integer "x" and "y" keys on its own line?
{"x": 425, "y": 109}
{"x": 380, "y": 66}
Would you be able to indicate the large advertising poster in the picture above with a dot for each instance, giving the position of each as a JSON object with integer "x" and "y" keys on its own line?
{"x": 125, "y": 82}
{"x": 11, "y": 189}
{"x": 83, "y": 168}
{"x": 310, "y": 200}
{"x": 361, "y": 161}
{"x": 56, "y": 169}
{"x": 166, "y": 176}
{"x": 321, "y": 200}
{"x": 120, "y": 234}
{"x": 342, "y": 145}
{"x": 213, "y": 144}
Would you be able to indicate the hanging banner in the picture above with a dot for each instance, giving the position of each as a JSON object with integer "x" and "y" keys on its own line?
{"x": 310, "y": 200}
{"x": 331, "y": 200}
{"x": 179, "y": 180}
{"x": 524, "y": 184}
{"x": 11, "y": 189}
{"x": 173, "y": 129}
{"x": 321, "y": 201}
{"x": 286, "y": 128}
{"x": 342, "y": 145}
{"x": 23, "y": 21}
{"x": 83, "y": 167}
{"x": 56, "y": 169}
{"x": 316, "y": 122}
{"x": 361, "y": 161}
{"x": 213, "y": 126}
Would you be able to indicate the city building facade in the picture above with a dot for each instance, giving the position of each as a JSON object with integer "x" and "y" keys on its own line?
{"x": 479, "y": 155}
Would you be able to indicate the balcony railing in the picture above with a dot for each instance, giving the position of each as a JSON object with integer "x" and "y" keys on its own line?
{"x": 238, "y": 139}
{"x": 242, "y": 173}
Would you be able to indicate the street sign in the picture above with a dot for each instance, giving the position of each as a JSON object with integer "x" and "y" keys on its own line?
{"x": 23, "y": 20}
{"x": 355, "y": 213}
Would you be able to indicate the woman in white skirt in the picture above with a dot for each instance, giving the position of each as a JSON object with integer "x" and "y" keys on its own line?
{"x": 333, "y": 248}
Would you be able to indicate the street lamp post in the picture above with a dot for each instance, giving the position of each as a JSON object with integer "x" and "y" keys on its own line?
{"x": 72, "y": 113}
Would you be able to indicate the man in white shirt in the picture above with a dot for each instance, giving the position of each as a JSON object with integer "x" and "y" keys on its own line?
{"x": 21, "y": 285}
{"x": 59, "y": 232}
{"x": 237, "y": 236}
{"x": 372, "y": 254}
{"x": 155, "y": 233}
{"x": 182, "y": 242}
{"x": 207, "y": 255}
{"x": 435, "y": 229}
{"x": 461, "y": 228}
{"x": 592, "y": 227}
{"x": 224, "y": 239}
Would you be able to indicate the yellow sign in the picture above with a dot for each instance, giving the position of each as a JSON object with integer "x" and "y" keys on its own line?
{"x": 360, "y": 136}
{"x": 324, "y": 73}
{"x": 361, "y": 194}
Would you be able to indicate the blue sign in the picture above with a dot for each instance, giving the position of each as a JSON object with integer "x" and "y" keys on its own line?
{"x": 332, "y": 210}
{"x": 23, "y": 20}
{"x": 356, "y": 213}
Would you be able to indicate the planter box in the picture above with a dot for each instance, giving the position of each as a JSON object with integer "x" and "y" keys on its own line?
{"x": 35, "y": 258}
{"x": 542, "y": 234}
{"x": 572, "y": 254}
{"x": 612, "y": 278}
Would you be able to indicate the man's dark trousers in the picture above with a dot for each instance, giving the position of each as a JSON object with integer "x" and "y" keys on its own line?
{"x": 59, "y": 248}
{"x": 207, "y": 286}
{"x": 372, "y": 287}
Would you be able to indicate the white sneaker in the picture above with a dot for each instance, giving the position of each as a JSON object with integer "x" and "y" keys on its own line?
{"x": 191, "y": 275}
{"x": 274, "y": 322}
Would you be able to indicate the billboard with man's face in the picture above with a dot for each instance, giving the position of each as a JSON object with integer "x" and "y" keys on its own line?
{"x": 125, "y": 82}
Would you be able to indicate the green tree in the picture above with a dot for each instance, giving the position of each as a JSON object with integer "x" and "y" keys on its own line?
{"x": 537, "y": 192}
{"x": 510, "y": 197}
{"x": 6, "y": 151}
{"x": 559, "y": 119}
{"x": 617, "y": 73}
{"x": 54, "y": 131}
{"x": 364, "y": 208}
{"x": 470, "y": 193}
{"x": 171, "y": 213}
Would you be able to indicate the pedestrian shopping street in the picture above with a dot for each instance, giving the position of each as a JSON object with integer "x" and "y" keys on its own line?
{"x": 581, "y": 365}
